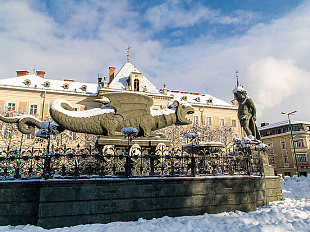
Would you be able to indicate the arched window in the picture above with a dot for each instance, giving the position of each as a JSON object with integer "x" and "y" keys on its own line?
{"x": 136, "y": 85}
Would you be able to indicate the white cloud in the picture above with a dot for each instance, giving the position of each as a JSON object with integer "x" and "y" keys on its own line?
{"x": 173, "y": 14}
{"x": 275, "y": 80}
{"x": 273, "y": 60}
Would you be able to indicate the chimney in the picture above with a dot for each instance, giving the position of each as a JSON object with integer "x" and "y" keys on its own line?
{"x": 22, "y": 73}
{"x": 112, "y": 69}
{"x": 40, "y": 73}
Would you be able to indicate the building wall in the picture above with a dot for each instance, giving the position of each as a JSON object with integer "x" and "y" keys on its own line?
{"x": 280, "y": 153}
{"x": 24, "y": 97}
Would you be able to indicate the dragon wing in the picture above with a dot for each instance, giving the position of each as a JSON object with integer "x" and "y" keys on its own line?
{"x": 130, "y": 105}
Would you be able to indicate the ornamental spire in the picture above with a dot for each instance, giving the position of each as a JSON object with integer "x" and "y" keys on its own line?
{"x": 237, "y": 77}
{"x": 128, "y": 52}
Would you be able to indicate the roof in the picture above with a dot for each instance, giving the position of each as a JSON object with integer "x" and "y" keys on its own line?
{"x": 37, "y": 82}
{"x": 120, "y": 80}
{"x": 282, "y": 123}
{"x": 197, "y": 99}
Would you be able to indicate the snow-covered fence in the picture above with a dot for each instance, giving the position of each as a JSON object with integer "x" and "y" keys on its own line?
{"x": 116, "y": 162}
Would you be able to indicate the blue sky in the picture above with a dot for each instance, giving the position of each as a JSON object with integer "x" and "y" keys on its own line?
{"x": 190, "y": 45}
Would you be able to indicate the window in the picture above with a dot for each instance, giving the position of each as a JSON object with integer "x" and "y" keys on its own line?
{"x": 209, "y": 121}
{"x": 302, "y": 158}
{"x": 195, "y": 119}
{"x": 33, "y": 109}
{"x": 30, "y": 136}
{"x": 11, "y": 106}
{"x": 136, "y": 85}
{"x": 221, "y": 122}
{"x": 233, "y": 122}
{"x": 222, "y": 138}
{"x": 272, "y": 160}
{"x": 285, "y": 159}
{"x": 75, "y": 109}
{"x": 299, "y": 143}
{"x": 288, "y": 174}
{"x": 283, "y": 145}
{"x": 72, "y": 135}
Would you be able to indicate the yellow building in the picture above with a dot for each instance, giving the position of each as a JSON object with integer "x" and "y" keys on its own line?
{"x": 282, "y": 157}
{"x": 32, "y": 93}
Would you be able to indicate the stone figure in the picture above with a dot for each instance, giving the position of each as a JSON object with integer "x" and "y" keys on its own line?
{"x": 26, "y": 124}
{"x": 246, "y": 112}
{"x": 124, "y": 110}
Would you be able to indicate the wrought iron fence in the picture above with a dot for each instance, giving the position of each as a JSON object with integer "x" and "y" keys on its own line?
{"x": 119, "y": 162}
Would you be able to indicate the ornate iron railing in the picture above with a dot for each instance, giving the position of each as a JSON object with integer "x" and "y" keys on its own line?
{"x": 118, "y": 162}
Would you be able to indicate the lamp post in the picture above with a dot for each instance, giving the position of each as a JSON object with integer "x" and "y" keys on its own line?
{"x": 293, "y": 143}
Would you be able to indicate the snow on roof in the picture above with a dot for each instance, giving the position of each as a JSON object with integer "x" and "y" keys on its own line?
{"x": 282, "y": 123}
{"x": 37, "y": 82}
{"x": 120, "y": 80}
{"x": 200, "y": 99}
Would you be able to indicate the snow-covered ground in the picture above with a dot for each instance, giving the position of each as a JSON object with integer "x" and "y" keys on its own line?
{"x": 291, "y": 214}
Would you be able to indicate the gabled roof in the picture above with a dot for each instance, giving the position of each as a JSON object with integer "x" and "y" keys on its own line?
{"x": 282, "y": 123}
{"x": 37, "y": 82}
{"x": 120, "y": 80}
{"x": 197, "y": 99}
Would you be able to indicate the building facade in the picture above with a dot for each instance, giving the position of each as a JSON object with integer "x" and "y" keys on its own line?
{"x": 32, "y": 93}
{"x": 284, "y": 151}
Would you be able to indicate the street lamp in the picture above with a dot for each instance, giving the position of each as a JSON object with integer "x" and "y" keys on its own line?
{"x": 293, "y": 143}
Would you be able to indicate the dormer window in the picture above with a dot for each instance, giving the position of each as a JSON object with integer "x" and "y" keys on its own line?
{"x": 46, "y": 84}
{"x": 135, "y": 81}
{"x": 27, "y": 82}
{"x": 136, "y": 85}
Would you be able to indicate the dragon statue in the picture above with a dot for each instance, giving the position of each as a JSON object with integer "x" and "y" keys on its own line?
{"x": 124, "y": 110}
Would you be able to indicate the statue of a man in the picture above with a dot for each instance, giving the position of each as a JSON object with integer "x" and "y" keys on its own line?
{"x": 246, "y": 112}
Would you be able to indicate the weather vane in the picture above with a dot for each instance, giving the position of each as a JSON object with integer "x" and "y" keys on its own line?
{"x": 128, "y": 52}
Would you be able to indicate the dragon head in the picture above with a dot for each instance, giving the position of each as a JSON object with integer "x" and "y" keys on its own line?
{"x": 182, "y": 111}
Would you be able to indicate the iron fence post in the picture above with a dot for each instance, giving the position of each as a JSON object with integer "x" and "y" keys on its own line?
{"x": 47, "y": 157}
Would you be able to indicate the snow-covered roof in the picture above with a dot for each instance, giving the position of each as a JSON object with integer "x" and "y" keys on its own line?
{"x": 36, "y": 82}
{"x": 195, "y": 98}
{"x": 282, "y": 123}
{"x": 120, "y": 80}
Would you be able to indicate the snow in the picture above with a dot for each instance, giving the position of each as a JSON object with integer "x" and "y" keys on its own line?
{"x": 290, "y": 214}
{"x": 162, "y": 112}
{"x": 37, "y": 83}
{"x": 192, "y": 135}
{"x": 238, "y": 89}
{"x": 129, "y": 130}
{"x": 282, "y": 123}
{"x": 120, "y": 80}
{"x": 204, "y": 100}
{"x": 56, "y": 105}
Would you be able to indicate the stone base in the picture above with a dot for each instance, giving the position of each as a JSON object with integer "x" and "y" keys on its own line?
{"x": 268, "y": 170}
{"x": 122, "y": 141}
{"x": 60, "y": 203}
